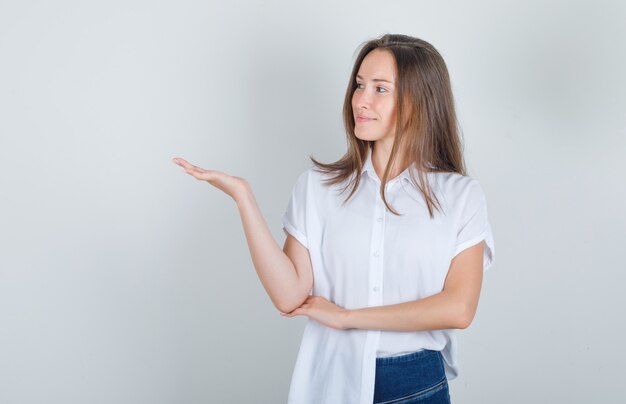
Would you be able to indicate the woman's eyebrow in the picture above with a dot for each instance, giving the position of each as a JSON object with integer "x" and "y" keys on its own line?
{"x": 390, "y": 82}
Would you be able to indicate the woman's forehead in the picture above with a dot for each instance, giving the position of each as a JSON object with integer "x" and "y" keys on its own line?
{"x": 378, "y": 66}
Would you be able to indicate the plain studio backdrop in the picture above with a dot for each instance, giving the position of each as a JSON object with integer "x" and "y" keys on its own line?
{"x": 124, "y": 280}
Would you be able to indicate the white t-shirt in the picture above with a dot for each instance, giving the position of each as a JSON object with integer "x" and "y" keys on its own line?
{"x": 363, "y": 256}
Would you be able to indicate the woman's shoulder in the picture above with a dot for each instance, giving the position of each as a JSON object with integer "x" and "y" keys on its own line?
{"x": 455, "y": 188}
{"x": 309, "y": 178}
{"x": 315, "y": 175}
{"x": 321, "y": 184}
{"x": 453, "y": 182}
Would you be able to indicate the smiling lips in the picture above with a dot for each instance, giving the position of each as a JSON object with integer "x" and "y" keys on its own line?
{"x": 363, "y": 119}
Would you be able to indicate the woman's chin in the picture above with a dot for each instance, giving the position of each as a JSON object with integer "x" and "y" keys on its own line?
{"x": 366, "y": 136}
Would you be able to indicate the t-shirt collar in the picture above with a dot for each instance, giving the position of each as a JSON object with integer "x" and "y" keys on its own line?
{"x": 368, "y": 166}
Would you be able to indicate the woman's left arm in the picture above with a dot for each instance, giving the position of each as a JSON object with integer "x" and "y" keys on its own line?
{"x": 453, "y": 307}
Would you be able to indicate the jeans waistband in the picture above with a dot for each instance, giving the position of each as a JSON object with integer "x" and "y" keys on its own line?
{"x": 417, "y": 355}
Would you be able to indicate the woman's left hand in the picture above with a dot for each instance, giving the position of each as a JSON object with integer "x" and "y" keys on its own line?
{"x": 322, "y": 310}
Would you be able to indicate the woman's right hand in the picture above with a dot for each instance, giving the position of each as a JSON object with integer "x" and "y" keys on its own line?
{"x": 235, "y": 187}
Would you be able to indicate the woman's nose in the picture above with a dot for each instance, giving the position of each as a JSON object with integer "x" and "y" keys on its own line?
{"x": 362, "y": 99}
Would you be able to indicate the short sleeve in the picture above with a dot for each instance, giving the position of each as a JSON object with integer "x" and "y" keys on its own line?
{"x": 294, "y": 217}
{"x": 474, "y": 224}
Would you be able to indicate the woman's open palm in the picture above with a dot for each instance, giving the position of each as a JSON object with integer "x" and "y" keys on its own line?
{"x": 231, "y": 185}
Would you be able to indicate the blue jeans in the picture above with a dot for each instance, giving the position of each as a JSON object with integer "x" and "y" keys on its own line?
{"x": 418, "y": 377}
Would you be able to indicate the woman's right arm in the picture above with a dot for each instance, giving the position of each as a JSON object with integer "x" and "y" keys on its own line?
{"x": 286, "y": 274}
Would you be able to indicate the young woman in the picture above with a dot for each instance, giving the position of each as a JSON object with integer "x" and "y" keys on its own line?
{"x": 388, "y": 272}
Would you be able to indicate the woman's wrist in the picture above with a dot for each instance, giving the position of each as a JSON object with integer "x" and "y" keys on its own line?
{"x": 243, "y": 195}
{"x": 347, "y": 317}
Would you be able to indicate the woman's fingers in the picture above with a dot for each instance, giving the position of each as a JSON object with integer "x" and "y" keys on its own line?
{"x": 233, "y": 186}
{"x": 181, "y": 162}
{"x": 196, "y": 171}
{"x": 186, "y": 165}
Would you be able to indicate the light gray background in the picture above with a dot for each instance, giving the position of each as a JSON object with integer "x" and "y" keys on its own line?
{"x": 124, "y": 280}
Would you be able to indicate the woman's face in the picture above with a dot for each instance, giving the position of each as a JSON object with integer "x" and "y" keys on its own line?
{"x": 375, "y": 97}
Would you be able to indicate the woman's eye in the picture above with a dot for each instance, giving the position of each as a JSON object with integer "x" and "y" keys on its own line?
{"x": 358, "y": 85}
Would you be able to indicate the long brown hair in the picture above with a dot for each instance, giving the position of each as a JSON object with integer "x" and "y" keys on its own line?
{"x": 425, "y": 122}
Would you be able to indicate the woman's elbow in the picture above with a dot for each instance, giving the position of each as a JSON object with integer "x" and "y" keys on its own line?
{"x": 290, "y": 305}
{"x": 465, "y": 316}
